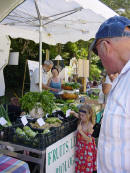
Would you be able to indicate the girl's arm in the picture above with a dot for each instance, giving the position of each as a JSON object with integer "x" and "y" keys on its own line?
{"x": 90, "y": 129}
{"x": 87, "y": 138}
{"x": 74, "y": 114}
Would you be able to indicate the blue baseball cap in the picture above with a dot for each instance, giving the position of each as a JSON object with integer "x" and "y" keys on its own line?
{"x": 113, "y": 27}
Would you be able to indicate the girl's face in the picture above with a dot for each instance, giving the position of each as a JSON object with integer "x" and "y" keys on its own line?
{"x": 83, "y": 115}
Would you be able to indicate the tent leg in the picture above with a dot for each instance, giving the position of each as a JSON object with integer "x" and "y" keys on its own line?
{"x": 24, "y": 76}
{"x": 40, "y": 58}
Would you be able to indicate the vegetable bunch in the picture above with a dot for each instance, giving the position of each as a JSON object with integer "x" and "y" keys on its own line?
{"x": 74, "y": 85}
{"x": 44, "y": 99}
{"x": 4, "y": 114}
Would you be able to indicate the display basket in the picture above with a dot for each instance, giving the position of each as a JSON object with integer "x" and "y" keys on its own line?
{"x": 67, "y": 87}
{"x": 40, "y": 141}
{"x": 70, "y": 96}
{"x": 4, "y": 133}
{"x": 68, "y": 127}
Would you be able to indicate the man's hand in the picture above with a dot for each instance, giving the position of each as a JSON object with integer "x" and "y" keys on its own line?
{"x": 55, "y": 90}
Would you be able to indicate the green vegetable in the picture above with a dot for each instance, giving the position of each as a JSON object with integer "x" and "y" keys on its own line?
{"x": 74, "y": 108}
{"x": 74, "y": 85}
{"x": 65, "y": 107}
{"x": 4, "y": 114}
{"x": 70, "y": 101}
{"x": 44, "y": 99}
{"x": 29, "y": 132}
{"x": 93, "y": 96}
{"x": 46, "y": 131}
{"x": 53, "y": 120}
{"x": 59, "y": 101}
{"x": 20, "y": 132}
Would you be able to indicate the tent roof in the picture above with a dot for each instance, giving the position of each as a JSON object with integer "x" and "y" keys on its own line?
{"x": 62, "y": 21}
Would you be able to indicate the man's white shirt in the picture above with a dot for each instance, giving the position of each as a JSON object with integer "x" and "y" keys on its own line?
{"x": 34, "y": 87}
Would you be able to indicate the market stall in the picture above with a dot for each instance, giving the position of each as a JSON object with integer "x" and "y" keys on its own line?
{"x": 44, "y": 137}
{"x": 37, "y": 22}
{"x": 29, "y": 137}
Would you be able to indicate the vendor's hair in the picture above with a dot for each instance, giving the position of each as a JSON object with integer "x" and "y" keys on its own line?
{"x": 89, "y": 110}
{"x": 54, "y": 68}
{"x": 48, "y": 62}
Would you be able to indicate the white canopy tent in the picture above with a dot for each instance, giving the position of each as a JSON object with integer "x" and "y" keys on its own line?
{"x": 55, "y": 21}
{"x": 6, "y": 6}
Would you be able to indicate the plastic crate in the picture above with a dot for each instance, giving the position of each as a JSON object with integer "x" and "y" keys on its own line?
{"x": 4, "y": 133}
{"x": 68, "y": 127}
{"x": 40, "y": 141}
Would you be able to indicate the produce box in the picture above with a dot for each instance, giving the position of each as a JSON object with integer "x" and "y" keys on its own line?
{"x": 4, "y": 133}
{"x": 39, "y": 138}
{"x": 68, "y": 127}
{"x": 35, "y": 140}
{"x": 69, "y": 96}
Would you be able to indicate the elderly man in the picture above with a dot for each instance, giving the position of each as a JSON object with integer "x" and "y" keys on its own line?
{"x": 34, "y": 85}
{"x": 112, "y": 44}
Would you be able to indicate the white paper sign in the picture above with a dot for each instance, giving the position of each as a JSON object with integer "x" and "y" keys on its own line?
{"x": 60, "y": 156}
{"x": 24, "y": 120}
{"x": 68, "y": 112}
{"x": 3, "y": 121}
{"x": 40, "y": 121}
{"x": 32, "y": 66}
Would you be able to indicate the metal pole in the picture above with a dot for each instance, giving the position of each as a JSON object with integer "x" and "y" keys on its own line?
{"x": 40, "y": 57}
{"x": 40, "y": 46}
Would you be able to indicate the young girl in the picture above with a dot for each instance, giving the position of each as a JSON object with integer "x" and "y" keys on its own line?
{"x": 86, "y": 149}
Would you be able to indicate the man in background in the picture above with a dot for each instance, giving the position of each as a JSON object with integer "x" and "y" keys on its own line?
{"x": 34, "y": 85}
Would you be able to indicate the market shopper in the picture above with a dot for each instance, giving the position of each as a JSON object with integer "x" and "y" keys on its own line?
{"x": 112, "y": 44}
{"x": 105, "y": 88}
{"x": 55, "y": 82}
{"x": 107, "y": 85}
{"x": 34, "y": 85}
{"x": 85, "y": 157}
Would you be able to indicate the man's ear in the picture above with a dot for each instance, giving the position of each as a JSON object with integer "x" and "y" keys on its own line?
{"x": 107, "y": 47}
{"x": 103, "y": 48}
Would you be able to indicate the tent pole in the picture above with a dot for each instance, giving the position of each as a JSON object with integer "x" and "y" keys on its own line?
{"x": 40, "y": 45}
{"x": 40, "y": 57}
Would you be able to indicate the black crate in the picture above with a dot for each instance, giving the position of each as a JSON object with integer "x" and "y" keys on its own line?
{"x": 40, "y": 141}
{"x": 68, "y": 127}
{"x": 4, "y": 133}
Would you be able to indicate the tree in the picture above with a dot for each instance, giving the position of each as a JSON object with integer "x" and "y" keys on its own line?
{"x": 122, "y": 7}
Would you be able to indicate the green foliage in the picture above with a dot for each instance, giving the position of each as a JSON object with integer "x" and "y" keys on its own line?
{"x": 74, "y": 85}
{"x": 95, "y": 72}
{"x": 119, "y": 4}
{"x": 44, "y": 99}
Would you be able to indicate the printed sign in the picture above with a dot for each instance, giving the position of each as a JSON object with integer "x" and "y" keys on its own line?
{"x": 24, "y": 120}
{"x": 60, "y": 155}
{"x": 3, "y": 121}
{"x": 40, "y": 121}
{"x": 68, "y": 112}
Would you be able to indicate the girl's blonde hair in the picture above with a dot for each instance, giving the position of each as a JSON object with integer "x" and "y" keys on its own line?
{"x": 89, "y": 111}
